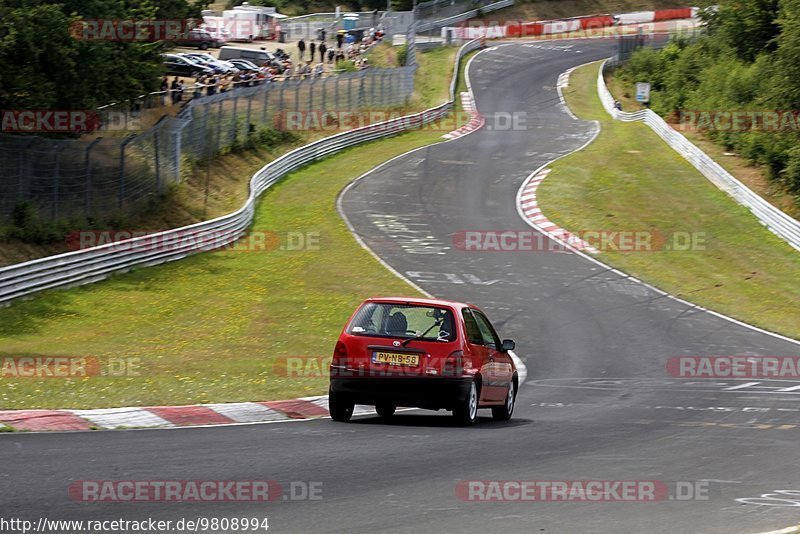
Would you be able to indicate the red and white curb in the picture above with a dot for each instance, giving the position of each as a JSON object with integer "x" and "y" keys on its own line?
{"x": 529, "y": 207}
{"x": 171, "y": 416}
{"x": 476, "y": 120}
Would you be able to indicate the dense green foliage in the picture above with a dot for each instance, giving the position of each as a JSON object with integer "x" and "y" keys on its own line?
{"x": 45, "y": 67}
{"x": 748, "y": 60}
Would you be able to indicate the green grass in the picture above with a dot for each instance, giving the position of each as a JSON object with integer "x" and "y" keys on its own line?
{"x": 630, "y": 180}
{"x": 209, "y": 328}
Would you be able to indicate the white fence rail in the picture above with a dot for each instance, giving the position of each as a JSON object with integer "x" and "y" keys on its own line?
{"x": 96, "y": 263}
{"x": 777, "y": 221}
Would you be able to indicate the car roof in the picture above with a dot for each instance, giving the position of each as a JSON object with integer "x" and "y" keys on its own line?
{"x": 420, "y": 301}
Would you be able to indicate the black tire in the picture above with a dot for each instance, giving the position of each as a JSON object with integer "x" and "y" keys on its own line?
{"x": 340, "y": 407}
{"x": 385, "y": 409}
{"x": 203, "y": 46}
{"x": 503, "y": 413}
{"x": 466, "y": 412}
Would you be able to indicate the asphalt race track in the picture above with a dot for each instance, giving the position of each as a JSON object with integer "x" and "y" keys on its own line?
{"x": 598, "y": 403}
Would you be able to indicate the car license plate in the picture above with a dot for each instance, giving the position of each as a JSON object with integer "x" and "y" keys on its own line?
{"x": 393, "y": 358}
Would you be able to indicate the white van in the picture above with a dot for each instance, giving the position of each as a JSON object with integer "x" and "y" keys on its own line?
{"x": 259, "y": 57}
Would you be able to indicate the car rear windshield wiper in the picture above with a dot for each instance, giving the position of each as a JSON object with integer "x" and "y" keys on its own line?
{"x": 420, "y": 336}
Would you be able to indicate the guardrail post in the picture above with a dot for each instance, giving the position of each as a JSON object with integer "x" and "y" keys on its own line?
{"x": 384, "y": 100}
{"x": 350, "y": 92}
{"x": 23, "y": 174}
{"x": 159, "y": 185}
{"x": 56, "y": 179}
{"x": 360, "y": 102}
{"x": 233, "y": 122}
{"x": 247, "y": 120}
{"x": 219, "y": 126}
{"x": 372, "y": 75}
{"x": 266, "y": 102}
{"x": 121, "y": 199}
{"x": 87, "y": 198}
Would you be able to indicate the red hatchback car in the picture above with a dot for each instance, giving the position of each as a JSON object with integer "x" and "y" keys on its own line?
{"x": 423, "y": 353}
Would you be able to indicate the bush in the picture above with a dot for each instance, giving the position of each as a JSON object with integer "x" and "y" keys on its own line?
{"x": 402, "y": 55}
{"x": 27, "y": 226}
{"x": 346, "y": 65}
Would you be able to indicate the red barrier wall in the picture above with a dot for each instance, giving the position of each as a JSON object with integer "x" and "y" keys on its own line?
{"x": 671, "y": 14}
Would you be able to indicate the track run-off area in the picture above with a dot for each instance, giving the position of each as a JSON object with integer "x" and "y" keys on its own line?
{"x": 598, "y": 403}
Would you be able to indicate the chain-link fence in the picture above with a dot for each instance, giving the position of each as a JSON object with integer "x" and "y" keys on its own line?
{"x": 111, "y": 174}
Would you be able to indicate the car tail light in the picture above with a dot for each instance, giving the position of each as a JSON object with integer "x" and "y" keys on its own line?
{"x": 339, "y": 360}
{"x": 454, "y": 364}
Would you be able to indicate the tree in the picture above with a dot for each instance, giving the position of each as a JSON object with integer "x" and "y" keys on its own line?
{"x": 787, "y": 56}
{"x": 45, "y": 67}
{"x": 749, "y": 26}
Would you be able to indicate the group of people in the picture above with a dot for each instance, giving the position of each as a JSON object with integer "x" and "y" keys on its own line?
{"x": 207, "y": 85}
{"x": 173, "y": 90}
{"x": 354, "y": 50}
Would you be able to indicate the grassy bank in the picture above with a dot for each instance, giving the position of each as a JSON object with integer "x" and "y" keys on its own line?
{"x": 630, "y": 180}
{"x": 752, "y": 175}
{"x": 219, "y": 326}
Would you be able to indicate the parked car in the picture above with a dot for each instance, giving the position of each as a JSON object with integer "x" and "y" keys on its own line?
{"x": 222, "y": 67}
{"x": 246, "y": 66}
{"x": 199, "y": 38}
{"x": 422, "y": 353}
{"x": 259, "y": 57}
{"x": 181, "y": 66}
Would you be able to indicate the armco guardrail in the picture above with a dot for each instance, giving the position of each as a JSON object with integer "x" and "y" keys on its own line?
{"x": 777, "y": 221}
{"x": 96, "y": 263}
{"x": 432, "y": 25}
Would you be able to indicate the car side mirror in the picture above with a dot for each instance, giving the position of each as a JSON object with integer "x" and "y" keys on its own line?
{"x": 508, "y": 344}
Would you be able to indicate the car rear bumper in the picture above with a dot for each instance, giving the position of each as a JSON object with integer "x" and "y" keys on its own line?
{"x": 422, "y": 392}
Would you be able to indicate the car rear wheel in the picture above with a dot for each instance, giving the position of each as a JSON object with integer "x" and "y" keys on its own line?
{"x": 203, "y": 46}
{"x": 340, "y": 407}
{"x": 466, "y": 411}
{"x": 385, "y": 409}
{"x": 503, "y": 413}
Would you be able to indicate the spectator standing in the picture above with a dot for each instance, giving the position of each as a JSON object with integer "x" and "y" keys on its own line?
{"x": 301, "y": 47}
{"x": 339, "y": 39}
{"x": 164, "y": 89}
{"x": 312, "y": 49}
{"x": 331, "y": 53}
{"x": 173, "y": 90}
{"x": 322, "y": 49}
{"x": 322, "y": 34}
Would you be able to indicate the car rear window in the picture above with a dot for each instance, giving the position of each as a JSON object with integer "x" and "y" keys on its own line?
{"x": 429, "y": 323}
